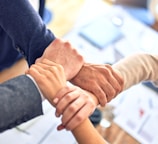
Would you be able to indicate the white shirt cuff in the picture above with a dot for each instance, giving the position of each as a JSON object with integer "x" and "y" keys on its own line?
{"x": 42, "y": 97}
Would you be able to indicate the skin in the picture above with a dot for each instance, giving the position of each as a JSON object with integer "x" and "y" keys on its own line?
{"x": 63, "y": 53}
{"x": 75, "y": 105}
{"x": 103, "y": 81}
{"x": 43, "y": 73}
{"x": 49, "y": 76}
{"x": 85, "y": 133}
{"x": 100, "y": 80}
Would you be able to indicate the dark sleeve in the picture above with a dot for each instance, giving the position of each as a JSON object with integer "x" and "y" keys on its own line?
{"x": 41, "y": 7}
{"x": 25, "y": 27}
{"x": 20, "y": 101}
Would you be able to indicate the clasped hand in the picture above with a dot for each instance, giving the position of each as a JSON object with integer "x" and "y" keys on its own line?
{"x": 73, "y": 103}
{"x": 60, "y": 63}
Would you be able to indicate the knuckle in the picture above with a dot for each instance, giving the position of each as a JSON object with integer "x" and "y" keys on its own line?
{"x": 122, "y": 82}
{"x": 81, "y": 59}
{"x": 67, "y": 44}
{"x": 109, "y": 67}
{"x": 93, "y": 83}
{"x": 60, "y": 67}
{"x": 63, "y": 120}
{"x": 91, "y": 104}
{"x": 52, "y": 68}
{"x": 108, "y": 73}
{"x": 57, "y": 40}
{"x": 79, "y": 118}
{"x": 69, "y": 127}
{"x": 59, "y": 110}
{"x": 72, "y": 108}
{"x": 47, "y": 74}
{"x": 112, "y": 94}
{"x": 68, "y": 97}
{"x": 67, "y": 88}
{"x": 99, "y": 94}
{"x": 118, "y": 89}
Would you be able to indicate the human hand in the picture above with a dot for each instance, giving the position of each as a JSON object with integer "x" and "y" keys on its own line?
{"x": 63, "y": 53}
{"x": 75, "y": 105}
{"x": 102, "y": 80}
{"x": 49, "y": 76}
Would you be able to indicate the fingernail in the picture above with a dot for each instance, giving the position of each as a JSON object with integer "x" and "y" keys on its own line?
{"x": 55, "y": 100}
{"x": 57, "y": 114}
{"x": 60, "y": 127}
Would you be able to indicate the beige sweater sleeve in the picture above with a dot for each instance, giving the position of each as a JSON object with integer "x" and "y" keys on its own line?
{"x": 137, "y": 68}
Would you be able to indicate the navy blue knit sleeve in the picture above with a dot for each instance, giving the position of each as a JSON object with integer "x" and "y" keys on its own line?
{"x": 25, "y": 27}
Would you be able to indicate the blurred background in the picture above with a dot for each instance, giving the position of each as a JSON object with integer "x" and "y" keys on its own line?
{"x": 103, "y": 31}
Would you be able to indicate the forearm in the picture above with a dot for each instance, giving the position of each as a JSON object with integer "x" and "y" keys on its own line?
{"x": 86, "y": 133}
{"x": 25, "y": 27}
{"x": 137, "y": 68}
{"x": 20, "y": 101}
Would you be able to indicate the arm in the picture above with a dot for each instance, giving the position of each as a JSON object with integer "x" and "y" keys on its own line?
{"x": 30, "y": 36}
{"x": 25, "y": 27}
{"x": 75, "y": 105}
{"x": 20, "y": 101}
{"x": 137, "y": 68}
{"x": 86, "y": 133}
{"x": 101, "y": 80}
{"x": 63, "y": 53}
{"x": 127, "y": 72}
{"x": 50, "y": 78}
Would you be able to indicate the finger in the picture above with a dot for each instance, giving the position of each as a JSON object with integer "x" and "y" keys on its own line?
{"x": 34, "y": 72}
{"x": 42, "y": 75}
{"x": 46, "y": 71}
{"x": 80, "y": 116}
{"x": 49, "y": 63}
{"x": 111, "y": 78}
{"x": 117, "y": 78}
{"x": 45, "y": 66}
{"x": 109, "y": 90}
{"x": 72, "y": 109}
{"x": 116, "y": 74}
{"x": 62, "y": 92}
{"x": 60, "y": 127}
{"x": 36, "y": 68}
{"x": 110, "y": 86}
{"x": 49, "y": 70}
{"x": 65, "y": 102}
{"x": 100, "y": 93}
{"x": 95, "y": 88}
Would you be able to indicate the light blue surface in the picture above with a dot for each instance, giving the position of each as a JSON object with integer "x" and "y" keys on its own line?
{"x": 141, "y": 14}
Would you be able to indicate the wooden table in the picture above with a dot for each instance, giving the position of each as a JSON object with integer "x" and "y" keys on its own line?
{"x": 116, "y": 135}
